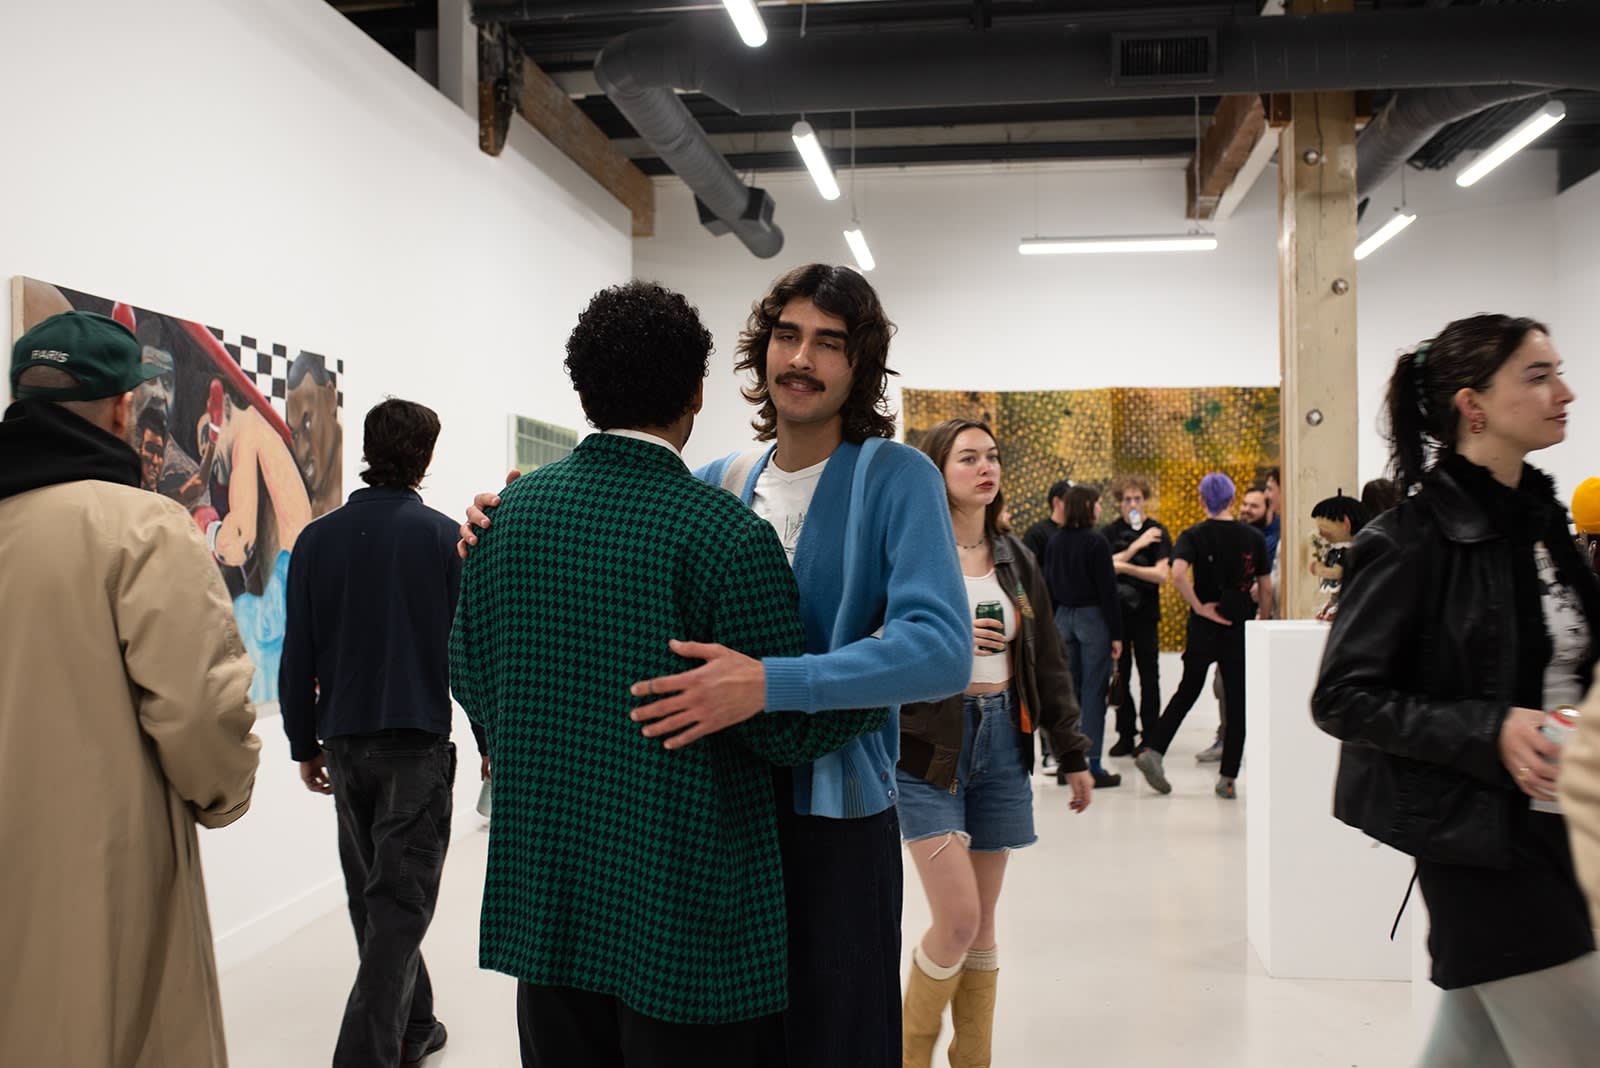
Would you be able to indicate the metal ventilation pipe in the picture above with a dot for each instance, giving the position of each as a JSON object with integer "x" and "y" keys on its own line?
{"x": 1547, "y": 45}
{"x": 1410, "y": 120}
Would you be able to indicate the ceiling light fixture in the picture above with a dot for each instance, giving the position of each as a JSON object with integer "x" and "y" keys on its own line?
{"x": 858, "y": 248}
{"x": 1512, "y": 143}
{"x": 1070, "y": 246}
{"x": 805, "y": 139}
{"x": 853, "y": 236}
{"x": 747, "y": 20}
{"x": 1380, "y": 237}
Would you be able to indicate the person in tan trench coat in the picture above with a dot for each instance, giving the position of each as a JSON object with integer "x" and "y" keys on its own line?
{"x": 1578, "y": 787}
{"x": 124, "y": 721}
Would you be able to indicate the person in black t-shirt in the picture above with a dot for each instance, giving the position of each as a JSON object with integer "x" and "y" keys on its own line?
{"x": 1141, "y": 551}
{"x": 1039, "y": 535}
{"x": 1226, "y": 558}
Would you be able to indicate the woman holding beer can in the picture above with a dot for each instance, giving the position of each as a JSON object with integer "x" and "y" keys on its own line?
{"x": 965, "y": 799}
{"x": 1465, "y": 618}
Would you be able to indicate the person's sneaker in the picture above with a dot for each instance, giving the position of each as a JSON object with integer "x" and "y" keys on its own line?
{"x": 1149, "y": 765}
{"x": 1225, "y": 789}
{"x": 413, "y": 1050}
{"x": 1124, "y": 747}
{"x": 1212, "y": 754}
{"x": 1104, "y": 780}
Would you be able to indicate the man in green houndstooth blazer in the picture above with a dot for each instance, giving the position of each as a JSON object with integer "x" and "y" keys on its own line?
{"x": 634, "y": 885}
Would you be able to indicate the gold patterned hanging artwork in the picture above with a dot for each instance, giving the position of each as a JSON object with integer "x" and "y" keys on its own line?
{"x": 1172, "y": 437}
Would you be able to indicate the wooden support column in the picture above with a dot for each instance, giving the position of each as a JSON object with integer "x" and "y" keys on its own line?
{"x": 508, "y": 80}
{"x": 1317, "y": 303}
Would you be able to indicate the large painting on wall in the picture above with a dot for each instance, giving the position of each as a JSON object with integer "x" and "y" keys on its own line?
{"x": 1171, "y": 437}
{"x": 244, "y": 433}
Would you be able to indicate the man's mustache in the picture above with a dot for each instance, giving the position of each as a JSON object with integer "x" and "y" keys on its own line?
{"x": 806, "y": 380}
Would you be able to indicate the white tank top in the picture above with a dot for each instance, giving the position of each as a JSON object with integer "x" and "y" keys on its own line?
{"x": 995, "y": 667}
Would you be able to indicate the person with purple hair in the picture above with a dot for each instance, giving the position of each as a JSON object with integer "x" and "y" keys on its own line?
{"x": 1214, "y": 565}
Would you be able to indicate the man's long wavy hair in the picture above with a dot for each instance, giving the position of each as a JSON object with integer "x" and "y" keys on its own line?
{"x": 838, "y": 291}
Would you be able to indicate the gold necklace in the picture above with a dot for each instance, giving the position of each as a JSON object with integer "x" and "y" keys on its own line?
{"x": 975, "y": 545}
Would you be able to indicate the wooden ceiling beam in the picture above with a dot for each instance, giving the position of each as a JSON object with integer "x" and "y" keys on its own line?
{"x": 1237, "y": 127}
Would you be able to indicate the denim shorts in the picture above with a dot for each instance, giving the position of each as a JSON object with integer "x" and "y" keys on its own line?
{"x": 990, "y": 804}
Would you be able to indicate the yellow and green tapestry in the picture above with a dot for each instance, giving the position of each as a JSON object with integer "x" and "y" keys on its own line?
{"x": 1172, "y": 437}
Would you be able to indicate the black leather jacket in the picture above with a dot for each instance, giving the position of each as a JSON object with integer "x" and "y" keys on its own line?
{"x": 1418, "y": 675}
{"x": 930, "y": 731}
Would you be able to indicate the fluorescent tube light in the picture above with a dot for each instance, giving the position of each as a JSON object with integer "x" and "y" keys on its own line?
{"x": 805, "y": 139}
{"x": 858, "y": 248}
{"x": 1381, "y": 236}
{"x": 747, "y": 20}
{"x": 1513, "y": 142}
{"x": 1064, "y": 246}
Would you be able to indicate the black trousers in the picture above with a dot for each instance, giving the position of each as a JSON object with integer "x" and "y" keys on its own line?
{"x": 1209, "y": 643}
{"x": 392, "y": 794}
{"x": 561, "y": 1027}
{"x": 1141, "y": 646}
{"x": 844, "y": 885}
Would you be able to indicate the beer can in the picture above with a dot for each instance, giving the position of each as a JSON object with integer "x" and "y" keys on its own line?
{"x": 1560, "y": 723}
{"x": 991, "y": 610}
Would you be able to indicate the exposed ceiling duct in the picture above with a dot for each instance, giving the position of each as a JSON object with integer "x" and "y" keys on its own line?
{"x": 1411, "y": 119}
{"x": 1550, "y": 45}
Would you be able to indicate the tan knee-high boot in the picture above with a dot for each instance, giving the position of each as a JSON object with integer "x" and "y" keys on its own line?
{"x": 923, "y": 1014}
{"x": 972, "y": 1012}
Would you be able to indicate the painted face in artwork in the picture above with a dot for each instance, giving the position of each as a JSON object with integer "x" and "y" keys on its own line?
{"x": 312, "y": 410}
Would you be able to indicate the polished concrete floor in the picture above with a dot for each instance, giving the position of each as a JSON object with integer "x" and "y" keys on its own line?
{"x": 1122, "y": 941}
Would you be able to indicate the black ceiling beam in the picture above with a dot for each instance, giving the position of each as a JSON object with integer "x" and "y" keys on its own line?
{"x": 891, "y": 155}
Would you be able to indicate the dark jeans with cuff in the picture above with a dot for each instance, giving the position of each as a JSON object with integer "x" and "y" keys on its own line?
{"x": 392, "y": 791}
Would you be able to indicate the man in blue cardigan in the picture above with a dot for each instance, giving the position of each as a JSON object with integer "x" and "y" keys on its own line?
{"x": 886, "y": 620}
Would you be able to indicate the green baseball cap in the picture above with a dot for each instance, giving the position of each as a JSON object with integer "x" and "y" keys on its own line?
{"x": 100, "y": 353}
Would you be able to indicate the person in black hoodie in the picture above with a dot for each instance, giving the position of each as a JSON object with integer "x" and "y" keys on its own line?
{"x": 1466, "y": 613}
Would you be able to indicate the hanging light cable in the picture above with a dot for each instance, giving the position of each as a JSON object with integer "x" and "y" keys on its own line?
{"x": 853, "y": 236}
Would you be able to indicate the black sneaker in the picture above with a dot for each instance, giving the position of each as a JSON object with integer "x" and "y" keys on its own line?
{"x": 413, "y": 1050}
{"x": 1124, "y": 747}
{"x": 1104, "y": 780}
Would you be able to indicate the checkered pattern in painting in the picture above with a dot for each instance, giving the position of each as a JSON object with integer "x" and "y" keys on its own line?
{"x": 267, "y": 365}
{"x": 616, "y": 865}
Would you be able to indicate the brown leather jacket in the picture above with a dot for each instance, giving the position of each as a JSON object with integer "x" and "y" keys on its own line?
{"x": 930, "y": 731}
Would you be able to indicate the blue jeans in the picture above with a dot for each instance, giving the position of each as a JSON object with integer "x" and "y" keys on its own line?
{"x": 1088, "y": 641}
{"x": 990, "y": 804}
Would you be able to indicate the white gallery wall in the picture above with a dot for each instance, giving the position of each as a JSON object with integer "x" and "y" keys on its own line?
{"x": 266, "y": 167}
{"x": 974, "y": 314}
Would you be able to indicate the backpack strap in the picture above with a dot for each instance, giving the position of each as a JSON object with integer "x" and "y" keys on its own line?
{"x": 739, "y": 468}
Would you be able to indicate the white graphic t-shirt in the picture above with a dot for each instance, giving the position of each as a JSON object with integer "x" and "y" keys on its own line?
{"x": 782, "y": 498}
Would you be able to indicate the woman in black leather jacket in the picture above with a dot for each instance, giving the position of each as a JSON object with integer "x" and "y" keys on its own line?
{"x": 965, "y": 797}
{"x": 1466, "y": 613}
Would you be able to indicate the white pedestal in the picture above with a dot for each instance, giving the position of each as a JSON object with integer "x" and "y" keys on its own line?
{"x": 1321, "y": 895}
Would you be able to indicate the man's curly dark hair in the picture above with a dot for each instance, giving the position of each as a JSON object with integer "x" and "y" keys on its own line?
{"x": 637, "y": 356}
{"x": 397, "y": 443}
{"x": 842, "y": 292}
